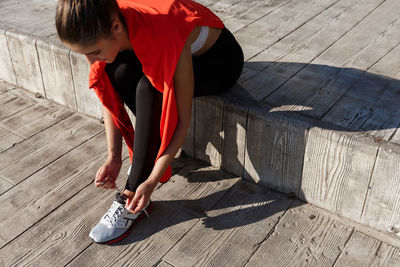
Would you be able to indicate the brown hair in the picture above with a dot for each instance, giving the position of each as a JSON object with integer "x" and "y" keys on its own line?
{"x": 85, "y": 21}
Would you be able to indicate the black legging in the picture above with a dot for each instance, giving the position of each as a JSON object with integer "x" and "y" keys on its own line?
{"x": 215, "y": 71}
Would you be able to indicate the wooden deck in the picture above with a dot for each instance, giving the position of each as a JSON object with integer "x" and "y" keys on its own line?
{"x": 203, "y": 216}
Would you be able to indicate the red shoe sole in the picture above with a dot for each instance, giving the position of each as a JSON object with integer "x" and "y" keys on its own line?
{"x": 149, "y": 209}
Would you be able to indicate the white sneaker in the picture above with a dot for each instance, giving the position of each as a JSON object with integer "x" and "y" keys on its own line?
{"x": 117, "y": 223}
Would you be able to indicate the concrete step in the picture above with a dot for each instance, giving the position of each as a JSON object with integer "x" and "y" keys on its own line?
{"x": 314, "y": 113}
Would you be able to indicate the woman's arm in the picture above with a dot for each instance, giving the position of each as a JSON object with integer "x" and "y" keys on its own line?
{"x": 108, "y": 172}
{"x": 184, "y": 87}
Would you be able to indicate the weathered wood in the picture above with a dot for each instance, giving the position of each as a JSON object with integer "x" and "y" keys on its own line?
{"x": 275, "y": 149}
{"x": 237, "y": 14}
{"x": 56, "y": 72}
{"x": 63, "y": 234}
{"x": 356, "y": 49}
{"x": 388, "y": 65}
{"x": 382, "y": 205}
{"x": 196, "y": 187}
{"x": 311, "y": 236}
{"x": 208, "y": 133}
{"x": 34, "y": 198}
{"x": 25, "y": 61}
{"x": 231, "y": 230}
{"x": 87, "y": 101}
{"x": 4, "y": 185}
{"x": 296, "y": 50}
{"x": 11, "y": 104}
{"x": 164, "y": 264}
{"x": 360, "y": 251}
{"x": 35, "y": 118}
{"x": 234, "y": 144}
{"x": 41, "y": 149}
{"x": 7, "y": 70}
{"x": 271, "y": 28}
{"x": 6, "y": 87}
{"x": 188, "y": 145}
{"x": 387, "y": 256}
{"x": 8, "y": 140}
{"x": 336, "y": 171}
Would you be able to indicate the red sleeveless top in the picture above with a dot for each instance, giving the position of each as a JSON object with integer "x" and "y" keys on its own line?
{"x": 157, "y": 31}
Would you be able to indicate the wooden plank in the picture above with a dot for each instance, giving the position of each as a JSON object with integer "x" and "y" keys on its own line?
{"x": 25, "y": 61}
{"x": 11, "y": 104}
{"x": 164, "y": 264}
{"x": 6, "y": 66}
{"x": 8, "y": 140}
{"x": 336, "y": 171}
{"x": 63, "y": 233}
{"x": 360, "y": 251}
{"x": 388, "y": 65}
{"x": 386, "y": 256}
{"x": 305, "y": 236}
{"x": 87, "y": 101}
{"x": 6, "y": 87}
{"x": 234, "y": 127}
{"x": 360, "y": 50}
{"x": 34, "y": 198}
{"x": 4, "y": 185}
{"x": 271, "y": 28}
{"x": 41, "y": 149}
{"x": 208, "y": 139}
{"x": 237, "y": 14}
{"x": 35, "y": 118}
{"x": 299, "y": 48}
{"x": 196, "y": 187}
{"x": 232, "y": 229}
{"x": 382, "y": 205}
{"x": 57, "y": 74}
{"x": 275, "y": 149}
{"x": 188, "y": 145}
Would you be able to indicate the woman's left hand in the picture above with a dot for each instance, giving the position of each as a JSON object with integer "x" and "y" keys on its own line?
{"x": 142, "y": 196}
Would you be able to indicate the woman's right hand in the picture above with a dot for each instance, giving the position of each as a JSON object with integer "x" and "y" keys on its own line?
{"x": 108, "y": 173}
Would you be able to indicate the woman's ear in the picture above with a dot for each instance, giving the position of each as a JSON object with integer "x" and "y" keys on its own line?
{"x": 116, "y": 27}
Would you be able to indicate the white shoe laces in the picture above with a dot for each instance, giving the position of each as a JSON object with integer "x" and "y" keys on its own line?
{"x": 114, "y": 214}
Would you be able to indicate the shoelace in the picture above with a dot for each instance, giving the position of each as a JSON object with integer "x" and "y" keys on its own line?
{"x": 113, "y": 214}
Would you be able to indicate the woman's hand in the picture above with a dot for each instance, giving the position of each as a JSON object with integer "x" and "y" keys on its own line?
{"x": 142, "y": 196}
{"x": 108, "y": 173}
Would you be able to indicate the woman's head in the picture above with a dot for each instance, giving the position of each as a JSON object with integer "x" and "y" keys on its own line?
{"x": 86, "y": 26}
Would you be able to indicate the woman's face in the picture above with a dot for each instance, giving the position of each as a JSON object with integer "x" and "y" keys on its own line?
{"x": 103, "y": 50}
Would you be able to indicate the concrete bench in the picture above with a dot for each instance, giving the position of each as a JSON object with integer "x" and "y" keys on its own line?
{"x": 311, "y": 125}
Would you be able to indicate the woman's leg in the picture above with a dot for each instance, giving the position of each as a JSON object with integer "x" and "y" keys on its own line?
{"x": 145, "y": 102}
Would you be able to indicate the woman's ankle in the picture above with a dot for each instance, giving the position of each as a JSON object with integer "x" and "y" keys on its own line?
{"x": 128, "y": 194}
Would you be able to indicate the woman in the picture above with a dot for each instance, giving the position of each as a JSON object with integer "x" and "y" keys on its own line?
{"x": 154, "y": 56}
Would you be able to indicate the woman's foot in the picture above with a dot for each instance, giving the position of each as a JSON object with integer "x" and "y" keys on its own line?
{"x": 117, "y": 223}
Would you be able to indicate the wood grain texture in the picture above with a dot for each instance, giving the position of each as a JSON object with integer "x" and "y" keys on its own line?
{"x": 234, "y": 127}
{"x": 360, "y": 251}
{"x": 196, "y": 188}
{"x": 359, "y": 50}
{"x": 305, "y": 236}
{"x": 34, "y": 198}
{"x": 237, "y": 14}
{"x": 336, "y": 172}
{"x": 25, "y": 61}
{"x": 8, "y": 140}
{"x": 208, "y": 133}
{"x": 382, "y": 206}
{"x": 6, "y": 87}
{"x": 4, "y": 185}
{"x": 41, "y": 149}
{"x": 299, "y": 48}
{"x": 275, "y": 149}
{"x": 57, "y": 74}
{"x": 11, "y": 103}
{"x": 231, "y": 230}
{"x": 87, "y": 100}
{"x": 271, "y": 28}
{"x": 63, "y": 234}
{"x": 6, "y": 66}
{"x": 188, "y": 145}
{"x": 35, "y": 119}
{"x": 386, "y": 255}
